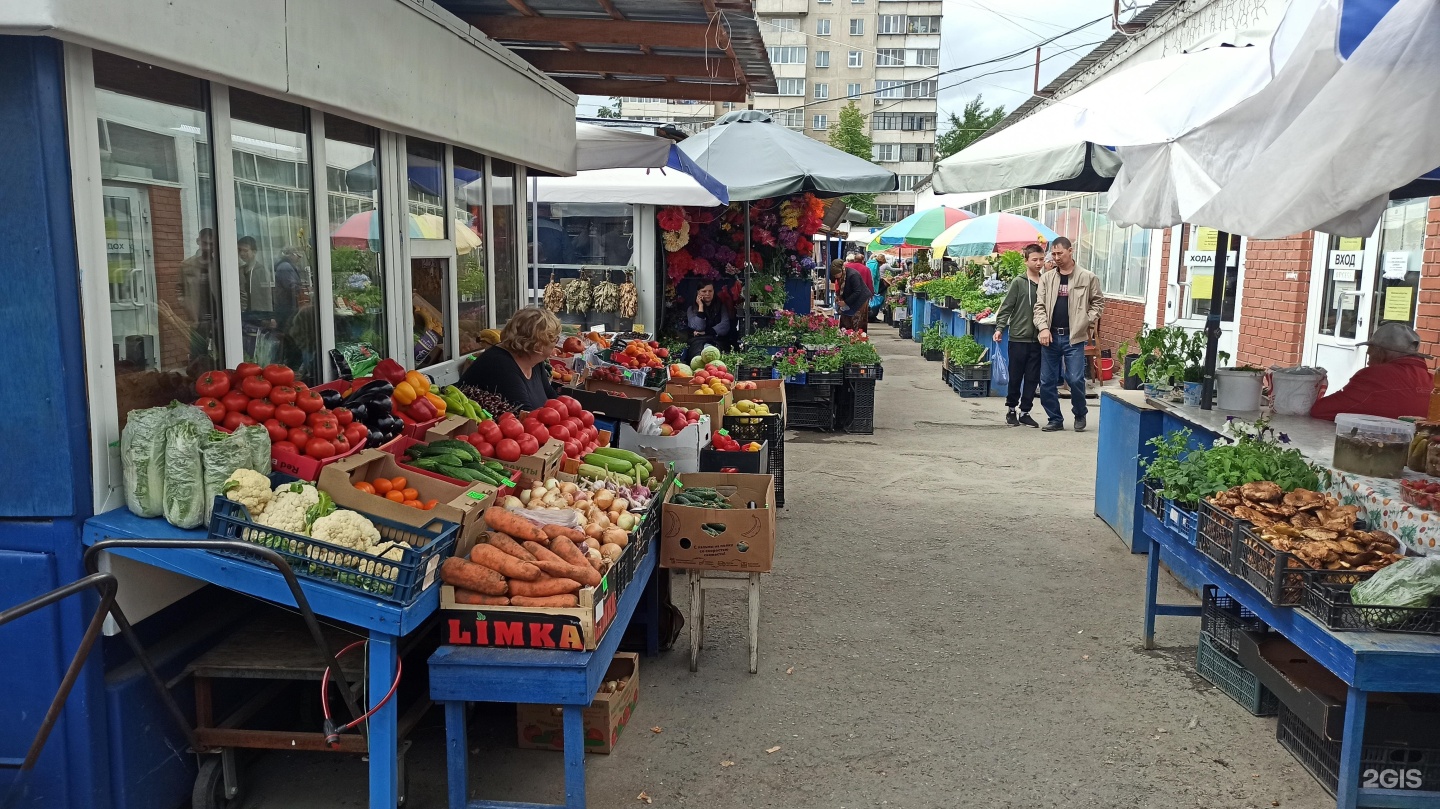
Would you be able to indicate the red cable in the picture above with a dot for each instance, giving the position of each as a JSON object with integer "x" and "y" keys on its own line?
{"x": 332, "y": 732}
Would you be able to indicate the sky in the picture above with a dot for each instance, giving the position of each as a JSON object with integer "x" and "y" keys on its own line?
{"x": 979, "y": 30}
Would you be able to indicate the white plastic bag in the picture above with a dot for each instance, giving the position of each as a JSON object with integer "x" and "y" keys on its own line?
{"x": 142, "y": 460}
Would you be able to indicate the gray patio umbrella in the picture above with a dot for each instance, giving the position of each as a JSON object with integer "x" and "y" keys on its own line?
{"x": 756, "y": 158}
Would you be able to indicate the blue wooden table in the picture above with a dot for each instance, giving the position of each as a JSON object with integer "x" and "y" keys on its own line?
{"x": 461, "y": 674}
{"x": 385, "y": 622}
{"x": 1365, "y": 661}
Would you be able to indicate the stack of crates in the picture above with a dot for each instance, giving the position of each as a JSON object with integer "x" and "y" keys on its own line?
{"x": 763, "y": 428}
{"x": 1217, "y": 658}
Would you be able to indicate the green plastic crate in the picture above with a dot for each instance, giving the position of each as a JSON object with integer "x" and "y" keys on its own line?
{"x": 1212, "y": 663}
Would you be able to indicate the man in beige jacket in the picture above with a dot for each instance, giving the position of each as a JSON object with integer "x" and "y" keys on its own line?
{"x": 1067, "y": 310}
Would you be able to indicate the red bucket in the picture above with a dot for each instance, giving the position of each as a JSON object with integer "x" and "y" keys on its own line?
{"x": 1107, "y": 369}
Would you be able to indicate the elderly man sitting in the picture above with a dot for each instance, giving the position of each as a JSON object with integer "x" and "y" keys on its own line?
{"x": 1394, "y": 382}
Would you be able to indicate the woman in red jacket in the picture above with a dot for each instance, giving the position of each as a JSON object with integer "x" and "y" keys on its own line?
{"x": 1394, "y": 382}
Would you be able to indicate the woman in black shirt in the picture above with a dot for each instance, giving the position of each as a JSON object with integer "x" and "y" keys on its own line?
{"x": 516, "y": 368}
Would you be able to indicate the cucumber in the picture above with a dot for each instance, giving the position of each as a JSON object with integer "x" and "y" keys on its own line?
{"x": 457, "y": 472}
{"x": 457, "y": 447}
{"x": 591, "y": 471}
{"x": 622, "y": 454}
{"x": 607, "y": 462}
{"x": 428, "y": 464}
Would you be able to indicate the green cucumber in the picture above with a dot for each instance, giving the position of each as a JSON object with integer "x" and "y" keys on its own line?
{"x": 622, "y": 454}
{"x": 607, "y": 462}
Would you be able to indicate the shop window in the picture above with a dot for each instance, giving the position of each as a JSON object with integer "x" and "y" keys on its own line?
{"x": 1402, "y": 245}
{"x": 429, "y": 285}
{"x": 425, "y": 172}
{"x": 472, "y": 276}
{"x": 159, "y": 206}
{"x": 1344, "y": 271}
{"x": 590, "y": 240}
{"x": 357, "y": 256}
{"x": 1202, "y": 277}
{"x": 270, "y": 149}
{"x": 1119, "y": 257}
{"x": 505, "y": 216}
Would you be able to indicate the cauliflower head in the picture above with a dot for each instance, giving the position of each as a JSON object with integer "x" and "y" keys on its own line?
{"x": 348, "y": 529}
{"x": 288, "y": 507}
{"x": 250, "y": 489}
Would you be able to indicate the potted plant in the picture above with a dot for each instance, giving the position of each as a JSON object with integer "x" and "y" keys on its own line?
{"x": 932, "y": 343}
{"x": 792, "y": 365}
{"x": 964, "y": 355}
{"x": 1162, "y": 361}
{"x": 1129, "y": 380}
{"x": 825, "y": 366}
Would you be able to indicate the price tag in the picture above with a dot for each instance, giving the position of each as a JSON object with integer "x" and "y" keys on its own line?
{"x": 476, "y": 495}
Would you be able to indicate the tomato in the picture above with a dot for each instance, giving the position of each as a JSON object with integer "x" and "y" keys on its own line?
{"x": 260, "y": 409}
{"x": 300, "y": 436}
{"x": 571, "y": 404}
{"x": 255, "y": 387}
{"x": 309, "y": 401}
{"x": 283, "y": 394}
{"x": 284, "y": 446}
{"x": 508, "y": 450}
{"x": 410, "y": 493}
{"x": 322, "y": 413}
{"x": 319, "y": 448}
{"x": 355, "y": 432}
{"x": 586, "y": 418}
{"x": 398, "y": 497}
{"x": 235, "y": 401}
{"x": 212, "y": 407}
{"x": 528, "y": 444}
{"x": 278, "y": 375}
{"x": 560, "y": 432}
{"x": 365, "y": 487}
{"x": 589, "y": 433}
{"x": 382, "y": 485}
{"x": 290, "y": 415}
{"x": 234, "y": 420}
{"x": 548, "y": 415}
{"x": 213, "y": 384}
{"x": 278, "y": 432}
{"x": 342, "y": 444}
{"x": 326, "y": 428}
{"x": 541, "y": 433}
{"x": 343, "y": 415}
{"x": 429, "y": 504}
{"x": 485, "y": 448}
{"x": 572, "y": 449}
{"x": 574, "y": 425}
{"x": 245, "y": 369}
{"x": 511, "y": 428}
{"x": 490, "y": 431}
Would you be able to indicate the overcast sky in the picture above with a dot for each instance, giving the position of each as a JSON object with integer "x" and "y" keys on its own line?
{"x": 980, "y": 30}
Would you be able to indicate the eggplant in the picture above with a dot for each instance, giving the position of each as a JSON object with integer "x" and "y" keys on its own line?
{"x": 382, "y": 405}
{"x": 374, "y": 386}
{"x": 361, "y": 412}
{"x": 331, "y": 398}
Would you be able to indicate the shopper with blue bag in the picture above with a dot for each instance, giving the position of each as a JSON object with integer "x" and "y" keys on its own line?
{"x": 1017, "y": 313}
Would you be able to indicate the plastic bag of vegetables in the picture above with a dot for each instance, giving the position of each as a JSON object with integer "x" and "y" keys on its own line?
{"x": 257, "y": 438}
{"x": 142, "y": 460}
{"x": 220, "y": 455}
{"x": 1410, "y": 582}
{"x": 184, "y": 485}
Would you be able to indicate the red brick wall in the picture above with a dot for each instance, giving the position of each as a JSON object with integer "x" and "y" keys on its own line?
{"x": 1275, "y": 297}
{"x": 1427, "y": 309}
{"x": 1120, "y": 321}
{"x": 167, "y": 239}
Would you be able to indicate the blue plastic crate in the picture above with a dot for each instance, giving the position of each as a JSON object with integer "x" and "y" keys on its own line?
{"x": 1177, "y": 519}
{"x": 969, "y": 388}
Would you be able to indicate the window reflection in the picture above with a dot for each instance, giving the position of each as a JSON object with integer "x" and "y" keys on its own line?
{"x": 507, "y": 256}
{"x": 357, "y": 265}
{"x": 425, "y": 171}
{"x": 471, "y": 275}
{"x": 159, "y": 205}
{"x": 427, "y": 299}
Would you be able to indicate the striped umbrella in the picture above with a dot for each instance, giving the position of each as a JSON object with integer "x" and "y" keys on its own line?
{"x": 993, "y": 233}
{"x": 919, "y": 228}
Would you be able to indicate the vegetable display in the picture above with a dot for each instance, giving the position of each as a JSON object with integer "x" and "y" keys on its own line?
{"x": 1314, "y": 527}
{"x": 562, "y": 418}
{"x": 175, "y": 461}
{"x": 396, "y": 490}
{"x": 1254, "y": 453}
{"x": 299, "y": 419}
{"x": 453, "y": 459}
{"x": 724, "y": 443}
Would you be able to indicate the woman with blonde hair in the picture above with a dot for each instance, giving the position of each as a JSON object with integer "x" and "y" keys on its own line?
{"x": 516, "y": 368}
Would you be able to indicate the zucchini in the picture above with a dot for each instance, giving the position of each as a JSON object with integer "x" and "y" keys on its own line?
{"x": 622, "y": 454}
{"x": 592, "y": 471}
{"x": 607, "y": 462}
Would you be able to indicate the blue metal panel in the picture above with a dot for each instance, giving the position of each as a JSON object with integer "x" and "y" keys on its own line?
{"x": 149, "y": 765}
{"x": 798, "y": 295}
{"x": 1124, "y": 431}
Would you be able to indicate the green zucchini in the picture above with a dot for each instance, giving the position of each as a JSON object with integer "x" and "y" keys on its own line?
{"x": 606, "y": 462}
{"x": 622, "y": 454}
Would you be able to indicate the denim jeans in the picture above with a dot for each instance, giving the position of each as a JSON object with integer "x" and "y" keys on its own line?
{"x": 1062, "y": 355}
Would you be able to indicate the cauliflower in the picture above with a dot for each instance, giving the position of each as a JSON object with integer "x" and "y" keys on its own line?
{"x": 348, "y": 529}
{"x": 288, "y": 507}
{"x": 250, "y": 489}
{"x": 394, "y": 551}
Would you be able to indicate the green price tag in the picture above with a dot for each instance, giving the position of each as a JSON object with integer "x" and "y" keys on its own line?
{"x": 605, "y": 585}
{"x": 476, "y": 495}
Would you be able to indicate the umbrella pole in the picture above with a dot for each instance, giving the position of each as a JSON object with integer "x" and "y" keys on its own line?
{"x": 1212, "y": 321}
{"x": 745, "y": 288}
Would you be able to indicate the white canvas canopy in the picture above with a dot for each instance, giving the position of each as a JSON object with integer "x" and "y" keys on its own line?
{"x": 603, "y": 147}
{"x": 632, "y": 185}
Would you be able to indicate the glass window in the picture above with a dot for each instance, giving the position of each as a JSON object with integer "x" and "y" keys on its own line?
{"x": 884, "y": 152}
{"x": 357, "y": 257}
{"x": 1202, "y": 282}
{"x": 472, "y": 277}
{"x": 853, "y": 90}
{"x": 1402, "y": 246}
{"x": 425, "y": 170}
{"x": 820, "y": 123}
{"x": 920, "y": 89}
{"x": 822, "y": 58}
{"x": 781, "y": 23}
{"x": 822, "y": 28}
{"x": 889, "y": 57}
{"x": 892, "y": 23}
{"x": 888, "y": 88}
{"x": 506, "y": 216}
{"x": 908, "y": 181}
{"x": 1339, "y": 309}
{"x": 857, "y": 59}
{"x": 429, "y": 287}
{"x": 925, "y": 57}
{"x": 857, "y": 27}
{"x": 578, "y": 239}
{"x": 922, "y": 25}
{"x": 885, "y": 120}
{"x": 790, "y": 87}
{"x": 822, "y": 90}
{"x": 159, "y": 204}
{"x": 789, "y": 55}
{"x": 270, "y": 147}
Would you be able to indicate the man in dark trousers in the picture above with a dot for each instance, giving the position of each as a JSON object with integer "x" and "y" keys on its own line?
{"x": 853, "y": 300}
{"x": 1067, "y": 310}
{"x": 1017, "y": 313}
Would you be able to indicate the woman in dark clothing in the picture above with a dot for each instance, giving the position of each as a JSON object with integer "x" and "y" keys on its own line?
{"x": 516, "y": 368}
{"x": 853, "y": 299}
{"x": 707, "y": 320}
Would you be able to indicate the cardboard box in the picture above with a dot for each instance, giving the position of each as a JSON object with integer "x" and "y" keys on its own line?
{"x": 542, "y": 727}
{"x": 682, "y": 448}
{"x": 741, "y": 539}
{"x": 460, "y": 504}
{"x": 709, "y": 404}
{"x": 543, "y": 464}
{"x": 566, "y": 629}
{"x": 596, "y": 396}
{"x": 769, "y": 391}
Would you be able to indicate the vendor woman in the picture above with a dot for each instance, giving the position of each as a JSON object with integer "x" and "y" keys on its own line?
{"x": 707, "y": 321}
{"x": 1394, "y": 382}
{"x": 516, "y": 368}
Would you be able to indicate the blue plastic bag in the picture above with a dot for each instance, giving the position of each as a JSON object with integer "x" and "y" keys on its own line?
{"x": 1001, "y": 376}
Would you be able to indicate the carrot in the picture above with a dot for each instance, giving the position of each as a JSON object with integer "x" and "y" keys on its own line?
{"x": 463, "y": 596}
{"x": 547, "y": 586}
{"x": 508, "y": 544}
{"x": 565, "y": 549}
{"x": 460, "y": 573}
{"x": 586, "y": 575}
{"x": 502, "y": 562}
{"x": 553, "y": 531}
{"x": 542, "y": 553}
{"x": 498, "y": 519}
{"x": 548, "y": 601}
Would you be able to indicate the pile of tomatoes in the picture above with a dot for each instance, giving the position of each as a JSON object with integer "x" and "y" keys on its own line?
{"x": 562, "y": 418}
{"x": 640, "y": 354}
{"x": 396, "y": 489}
{"x": 294, "y": 414}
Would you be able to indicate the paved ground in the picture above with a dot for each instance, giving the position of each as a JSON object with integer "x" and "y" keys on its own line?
{"x": 948, "y": 625}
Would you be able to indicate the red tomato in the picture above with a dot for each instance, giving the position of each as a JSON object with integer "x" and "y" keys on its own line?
{"x": 574, "y": 425}
{"x": 356, "y": 432}
{"x": 530, "y": 423}
{"x": 234, "y": 420}
{"x": 309, "y": 401}
{"x": 572, "y": 449}
{"x": 507, "y": 450}
{"x": 300, "y": 436}
{"x": 319, "y": 448}
{"x": 290, "y": 415}
{"x": 561, "y": 432}
{"x": 342, "y": 444}
{"x": 213, "y": 384}
{"x": 541, "y": 433}
{"x": 586, "y": 418}
{"x": 284, "y": 446}
{"x": 343, "y": 415}
{"x": 589, "y": 434}
{"x": 283, "y": 394}
{"x": 490, "y": 431}
{"x": 278, "y": 375}
{"x": 326, "y": 428}
{"x": 255, "y": 387}
{"x": 572, "y": 405}
{"x": 278, "y": 432}
{"x": 212, "y": 407}
{"x": 558, "y": 405}
{"x": 260, "y": 409}
{"x": 485, "y": 448}
{"x": 235, "y": 401}
{"x": 511, "y": 428}
{"x": 322, "y": 413}
{"x": 548, "y": 415}
{"x": 528, "y": 444}
{"x": 245, "y": 369}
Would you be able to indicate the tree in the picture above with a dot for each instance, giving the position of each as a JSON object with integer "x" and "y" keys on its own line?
{"x": 966, "y": 128}
{"x": 849, "y": 136}
{"x": 612, "y": 111}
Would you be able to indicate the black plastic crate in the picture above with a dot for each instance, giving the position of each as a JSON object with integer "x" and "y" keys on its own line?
{"x": 1330, "y": 603}
{"x": 745, "y": 463}
{"x": 397, "y": 580}
{"x": 746, "y": 372}
{"x": 864, "y": 371}
{"x": 1216, "y": 528}
{"x": 1381, "y": 765}
{"x": 1279, "y": 576}
{"x": 809, "y": 392}
{"x": 970, "y": 389}
{"x": 971, "y": 372}
{"x": 905, "y": 330}
{"x": 857, "y": 407}
{"x": 1238, "y": 682}
{"x": 935, "y": 355}
{"x": 1223, "y": 619}
{"x": 811, "y": 415}
{"x": 755, "y": 428}
{"x": 1151, "y": 500}
{"x": 826, "y": 378}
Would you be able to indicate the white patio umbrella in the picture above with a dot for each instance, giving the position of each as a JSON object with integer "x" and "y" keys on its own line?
{"x": 635, "y": 186}
{"x": 603, "y": 147}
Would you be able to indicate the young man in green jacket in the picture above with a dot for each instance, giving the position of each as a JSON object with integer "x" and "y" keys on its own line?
{"x": 1017, "y": 313}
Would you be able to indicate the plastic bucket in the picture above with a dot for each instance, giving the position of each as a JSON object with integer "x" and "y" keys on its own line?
{"x": 1107, "y": 369}
{"x": 1296, "y": 389}
{"x": 1239, "y": 390}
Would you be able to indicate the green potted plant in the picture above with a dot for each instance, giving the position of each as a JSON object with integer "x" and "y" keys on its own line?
{"x": 932, "y": 343}
{"x": 1161, "y": 362}
{"x": 792, "y": 364}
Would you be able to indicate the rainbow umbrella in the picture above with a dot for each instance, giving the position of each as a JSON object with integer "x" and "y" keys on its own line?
{"x": 993, "y": 233}
{"x": 919, "y": 229}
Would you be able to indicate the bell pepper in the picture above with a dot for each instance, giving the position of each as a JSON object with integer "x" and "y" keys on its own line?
{"x": 422, "y": 410}
{"x": 390, "y": 371}
{"x": 404, "y": 393}
{"x": 418, "y": 381}
{"x": 436, "y": 402}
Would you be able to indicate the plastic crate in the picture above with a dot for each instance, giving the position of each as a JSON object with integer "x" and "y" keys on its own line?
{"x": 1223, "y": 618}
{"x": 777, "y": 469}
{"x": 1381, "y": 765}
{"x": 826, "y": 378}
{"x": 933, "y": 356}
{"x": 809, "y": 392}
{"x": 864, "y": 371}
{"x": 755, "y": 428}
{"x": 1217, "y": 529}
{"x": 1181, "y": 520}
{"x": 1235, "y": 680}
{"x": 745, "y": 463}
{"x": 746, "y": 372}
{"x": 971, "y": 372}
{"x": 905, "y": 332}
{"x": 818, "y": 415}
{"x": 1330, "y": 603}
{"x": 1151, "y": 500}
{"x": 969, "y": 389}
{"x": 397, "y": 580}
{"x": 857, "y": 403}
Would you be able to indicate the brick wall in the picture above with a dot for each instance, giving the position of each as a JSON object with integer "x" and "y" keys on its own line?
{"x": 167, "y": 240}
{"x": 1120, "y": 321}
{"x": 1427, "y": 309}
{"x": 1276, "y": 294}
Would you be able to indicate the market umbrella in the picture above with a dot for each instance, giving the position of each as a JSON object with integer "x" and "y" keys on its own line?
{"x": 919, "y": 229}
{"x": 605, "y": 147}
{"x": 992, "y": 233}
{"x": 363, "y": 231}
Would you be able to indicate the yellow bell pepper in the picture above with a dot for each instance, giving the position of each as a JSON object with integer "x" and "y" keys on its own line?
{"x": 404, "y": 394}
{"x": 437, "y": 401}
{"x": 418, "y": 381}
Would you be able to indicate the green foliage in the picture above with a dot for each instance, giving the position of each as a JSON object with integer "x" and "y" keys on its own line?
{"x": 470, "y": 281}
{"x": 1163, "y": 352}
{"x": 849, "y": 135}
{"x": 932, "y": 339}
{"x": 859, "y": 352}
{"x": 770, "y": 337}
{"x": 611, "y": 111}
{"x": 966, "y": 128}
{"x": 962, "y": 350}
{"x": 1009, "y": 264}
{"x": 827, "y": 361}
{"x": 792, "y": 362}
{"x": 922, "y": 262}
{"x": 1253, "y": 454}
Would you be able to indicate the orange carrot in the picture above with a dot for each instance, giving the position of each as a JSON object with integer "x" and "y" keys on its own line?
{"x": 498, "y": 519}
{"x": 463, "y": 596}
{"x": 548, "y": 601}
{"x": 565, "y": 549}
{"x": 553, "y": 531}
{"x": 507, "y": 543}
{"x": 498, "y": 560}
{"x": 541, "y": 552}
{"x": 547, "y": 586}
{"x": 479, "y": 578}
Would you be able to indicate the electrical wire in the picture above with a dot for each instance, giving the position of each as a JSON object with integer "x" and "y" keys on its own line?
{"x": 332, "y": 733}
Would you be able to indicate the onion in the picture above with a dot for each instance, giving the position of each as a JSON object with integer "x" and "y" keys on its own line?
{"x": 604, "y": 498}
{"x": 621, "y": 504}
{"x": 525, "y": 496}
{"x": 569, "y": 488}
{"x": 628, "y": 521}
{"x": 592, "y": 544}
{"x": 511, "y": 502}
{"x": 552, "y": 484}
{"x": 611, "y": 551}
{"x": 614, "y": 517}
{"x": 615, "y": 536}
{"x": 594, "y": 531}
